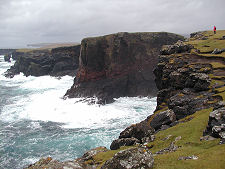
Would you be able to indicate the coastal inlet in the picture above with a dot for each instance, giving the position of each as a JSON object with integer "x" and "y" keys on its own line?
{"x": 36, "y": 122}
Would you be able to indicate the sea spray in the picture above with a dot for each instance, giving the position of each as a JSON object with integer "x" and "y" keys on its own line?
{"x": 35, "y": 121}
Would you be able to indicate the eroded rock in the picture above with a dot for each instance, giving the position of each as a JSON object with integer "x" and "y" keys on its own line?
{"x": 119, "y": 65}
{"x": 116, "y": 144}
{"x": 133, "y": 158}
{"x": 163, "y": 118}
{"x": 179, "y": 47}
{"x": 57, "y": 62}
{"x": 216, "y": 124}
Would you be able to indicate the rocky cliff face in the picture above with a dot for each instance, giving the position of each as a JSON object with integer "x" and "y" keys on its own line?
{"x": 119, "y": 65}
{"x": 189, "y": 83}
{"x": 56, "y": 62}
{"x": 6, "y": 51}
{"x": 187, "y": 127}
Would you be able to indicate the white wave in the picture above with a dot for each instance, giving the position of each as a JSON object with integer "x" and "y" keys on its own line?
{"x": 45, "y": 103}
{"x": 40, "y": 99}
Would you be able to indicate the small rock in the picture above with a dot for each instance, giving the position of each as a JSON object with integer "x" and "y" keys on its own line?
{"x": 89, "y": 154}
{"x": 148, "y": 139}
{"x": 172, "y": 148}
{"x": 207, "y": 138}
{"x": 166, "y": 138}
{"x": 133, "y": 158}
{"x": 178, "y": 138}
{"x": 218, "y": 51}
{"x": 193, "y": 157}
{"x": 222, "y": 38}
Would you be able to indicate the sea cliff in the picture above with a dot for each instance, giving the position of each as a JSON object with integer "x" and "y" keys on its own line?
{"x": 187, "y": 127}
{"x": 38, "y": 62}
{"x": 119, "y": 65}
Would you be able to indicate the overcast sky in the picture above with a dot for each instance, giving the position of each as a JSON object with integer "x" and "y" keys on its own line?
{"x": 33, "y": 21}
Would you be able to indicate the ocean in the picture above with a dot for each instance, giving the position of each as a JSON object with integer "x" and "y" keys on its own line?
{"x": 36, "y": 122}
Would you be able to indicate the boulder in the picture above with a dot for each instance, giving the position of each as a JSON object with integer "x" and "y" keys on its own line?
{"x": 116, "y": 144}
{"x": 216, "y": 124}
{"x": 138, "y": 133}
{"x": 133, "y": 158}
{"x": 178, "y": 47}
{"x": 119, "y": 65}
{"x": 163, "y": 118}
{"x": 218, "y": 51}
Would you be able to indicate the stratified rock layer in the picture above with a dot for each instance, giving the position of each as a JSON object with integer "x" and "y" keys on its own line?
{"x": 119, "y": 65}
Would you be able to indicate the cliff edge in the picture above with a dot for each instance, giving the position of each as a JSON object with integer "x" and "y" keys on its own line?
{"x": 58, "y": 61}
{"x": 187, "y": 129}
{"x": 119, "y": 65}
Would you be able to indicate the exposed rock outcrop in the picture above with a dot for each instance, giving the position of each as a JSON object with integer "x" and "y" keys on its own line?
{"x": 56, "y": 62}
{"x": 134, "y": 158}
{"x": 79, "y": 163}
{"x": 119, "y": 65}
{"x": 183, "y": 80}
{"x": 216, "y": 124}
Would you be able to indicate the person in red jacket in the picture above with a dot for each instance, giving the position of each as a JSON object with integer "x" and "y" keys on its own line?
{"x": 214, "y": 29}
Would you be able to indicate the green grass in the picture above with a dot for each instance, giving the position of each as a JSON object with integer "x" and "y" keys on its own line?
{"x": 217, "y": 65}
{"x": 213, "y": 42}
{"x": 211, "y": 155}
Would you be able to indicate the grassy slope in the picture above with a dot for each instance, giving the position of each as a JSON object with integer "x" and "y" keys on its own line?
{"x": 213, "y": 42}
{"x": 210, "y": 154}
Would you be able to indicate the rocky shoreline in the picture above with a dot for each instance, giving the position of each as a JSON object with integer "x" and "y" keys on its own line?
{"x": 189, "y": 121}
{"x": 59, "y": 61}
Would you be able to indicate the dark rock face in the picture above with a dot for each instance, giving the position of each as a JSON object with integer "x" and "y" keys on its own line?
{"x": 183, "y": 82}
{"x": 163, "y": 118}
{"x": 6, "y": 51}
{"x": 57, "y": 62}
{"x": 138, "y": 133}
{"x": 119, "y": 65}
{"x": 7, "y": 57}
{"x": 116, "y": 144}
{"x": 134, "y": 158}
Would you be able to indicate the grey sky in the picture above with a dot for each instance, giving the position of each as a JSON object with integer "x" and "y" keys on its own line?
{"x": 33, "y": 21}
